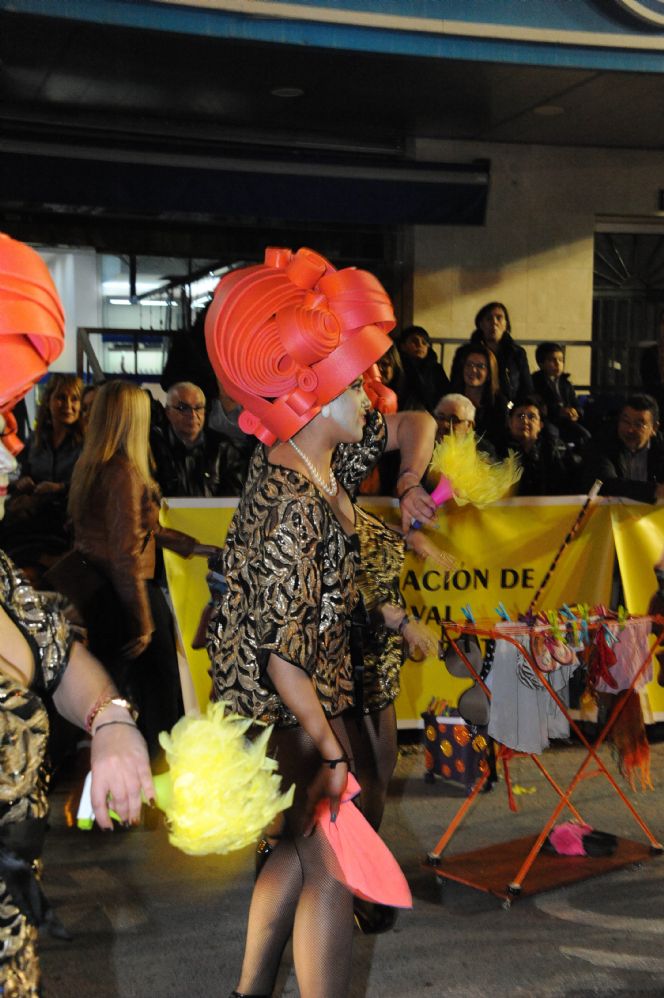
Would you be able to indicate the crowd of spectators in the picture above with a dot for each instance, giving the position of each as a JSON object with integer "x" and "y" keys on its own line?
{"x": 198, "y": 450}
{"x": 83, "y": 518}
{"x": 492, "y": 391}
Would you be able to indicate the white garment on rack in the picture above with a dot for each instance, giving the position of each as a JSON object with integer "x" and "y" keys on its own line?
{"x": 524, "y": 716}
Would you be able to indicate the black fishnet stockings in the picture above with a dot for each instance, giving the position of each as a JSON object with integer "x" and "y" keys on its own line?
{"x": 299, "y": 891}
{"x": 374, "y": 750}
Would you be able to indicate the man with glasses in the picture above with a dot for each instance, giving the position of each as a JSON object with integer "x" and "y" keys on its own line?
{"x": 454, "y": 413}
{"x": 629, "y": 459}
{"x": 190, "y": 458}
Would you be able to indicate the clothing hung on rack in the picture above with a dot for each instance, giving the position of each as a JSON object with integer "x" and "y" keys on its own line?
{"x": 523, "y": 715}
{"x": 630, "y": 651}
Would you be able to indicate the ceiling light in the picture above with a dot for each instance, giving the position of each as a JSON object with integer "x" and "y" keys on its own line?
{"x": 549, "y": 110}
{"x": 149, "y": 304}
{"x": 287, "y": 92}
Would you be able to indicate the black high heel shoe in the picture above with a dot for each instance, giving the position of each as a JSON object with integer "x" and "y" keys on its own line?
{"x": 372, "y": 919}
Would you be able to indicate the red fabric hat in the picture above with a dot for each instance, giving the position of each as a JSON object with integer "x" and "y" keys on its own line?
{"x": 287, "y": 336}
{"x": 32, "y": 323}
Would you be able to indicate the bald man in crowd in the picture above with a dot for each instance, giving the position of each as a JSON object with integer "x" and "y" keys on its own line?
{"x": 454, "y": 413}
{"x": 191, "y": 458}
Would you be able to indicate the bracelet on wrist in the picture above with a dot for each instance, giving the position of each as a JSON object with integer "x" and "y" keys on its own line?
{"x": 405, "y": 621}
{"x": 108, "y": 701}
{"x": 408, "y": 471}
{"x": 406, "y": 491}
{"x": 107, "y": 724}
{"x": 333, "y": 763}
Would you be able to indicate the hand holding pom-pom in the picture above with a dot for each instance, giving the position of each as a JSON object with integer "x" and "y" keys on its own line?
{"x": 222, "y": 787}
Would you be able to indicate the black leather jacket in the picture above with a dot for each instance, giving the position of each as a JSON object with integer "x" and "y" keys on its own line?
{"x": 215, "y": 466}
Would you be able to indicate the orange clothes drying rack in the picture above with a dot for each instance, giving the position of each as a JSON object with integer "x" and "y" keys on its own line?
{"x": 489, "y": 869}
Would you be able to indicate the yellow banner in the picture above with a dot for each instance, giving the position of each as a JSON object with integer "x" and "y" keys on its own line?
{"x": 638, "y": 533}
{"x": 503, "y": 554}
{"x": 207, "y": 520}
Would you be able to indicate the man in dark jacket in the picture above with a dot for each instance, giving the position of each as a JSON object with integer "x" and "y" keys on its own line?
{"x": 629, "y": 460}
{"x": 190, "y": 458}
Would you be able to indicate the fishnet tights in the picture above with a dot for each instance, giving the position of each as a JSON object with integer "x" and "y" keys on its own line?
{"x": 374, "y": 750}
{"x": 299, "y": 891}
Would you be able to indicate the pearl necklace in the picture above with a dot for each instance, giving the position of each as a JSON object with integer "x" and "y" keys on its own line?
{"x": 329, "y": 488}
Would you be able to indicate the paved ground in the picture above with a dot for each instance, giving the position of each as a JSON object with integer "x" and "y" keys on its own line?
{"x": 148, "y": 921}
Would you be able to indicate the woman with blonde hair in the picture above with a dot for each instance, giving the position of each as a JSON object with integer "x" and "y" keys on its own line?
{"x": 114, "y": 506}
{"x": 35, "y": 530}
{"x": 52, "y": 453}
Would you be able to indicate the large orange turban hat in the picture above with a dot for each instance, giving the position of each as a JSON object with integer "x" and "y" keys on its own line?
{"x": 32, "y": 323}
{"x": 286, "y": 336}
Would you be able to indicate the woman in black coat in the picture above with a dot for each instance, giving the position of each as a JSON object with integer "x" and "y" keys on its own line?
{"x": 494, "y": 330}
{"x": 424, "y": 379}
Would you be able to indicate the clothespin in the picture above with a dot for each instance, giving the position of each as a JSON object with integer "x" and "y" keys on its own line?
{"x": 583, "y": 612}
{"x": 622, "y": 618}
{"x": 573, "y": 628}
{"x": 611, "y": 638}
{"x": 554, "y": 624}
{"x": 468, "y": 613}
{"x": 502, "y": 612}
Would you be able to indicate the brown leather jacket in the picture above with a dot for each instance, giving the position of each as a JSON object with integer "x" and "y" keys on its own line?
{"x": 118, "y": 532}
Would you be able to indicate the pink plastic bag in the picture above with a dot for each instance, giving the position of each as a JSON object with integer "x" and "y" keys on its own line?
{"x": 567, "y": 838}
{"x": 368, "y": 867}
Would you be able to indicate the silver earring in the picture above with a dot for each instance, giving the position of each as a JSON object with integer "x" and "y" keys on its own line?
{"x": 325, "y": 411}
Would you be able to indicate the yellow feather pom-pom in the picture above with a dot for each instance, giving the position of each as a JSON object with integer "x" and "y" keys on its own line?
{"x": 222, "y": 789}
{"x": 474, "y": 477}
